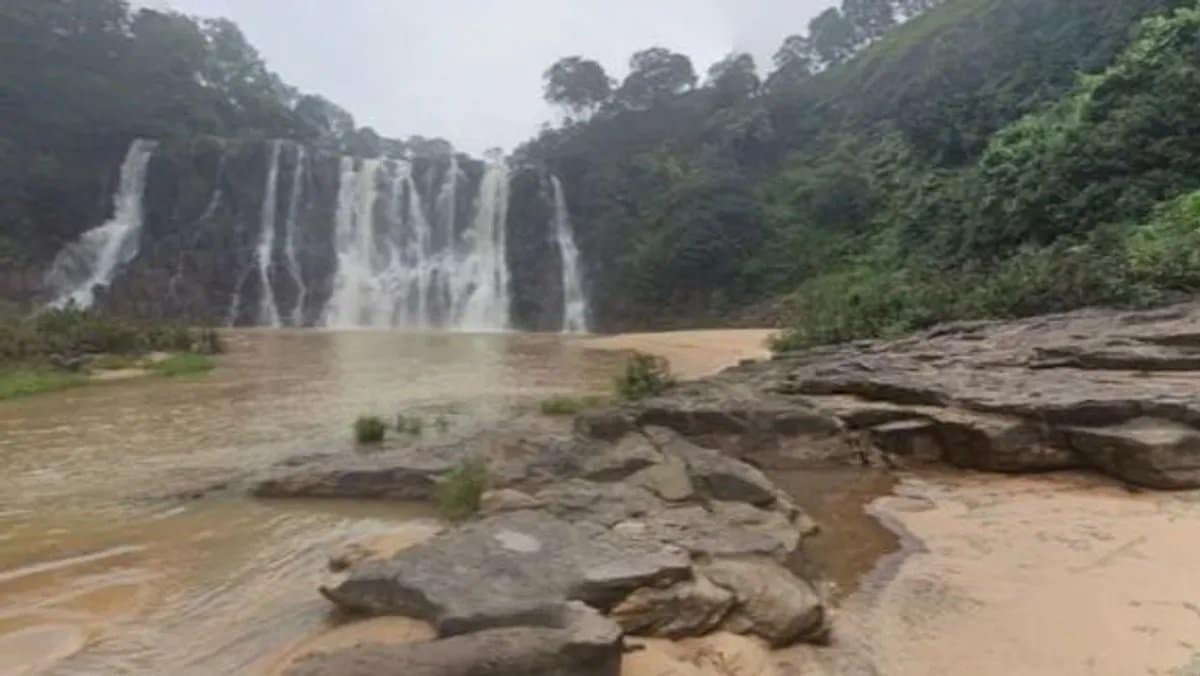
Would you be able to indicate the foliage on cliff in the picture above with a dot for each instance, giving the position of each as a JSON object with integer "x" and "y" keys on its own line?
{"x": 903, "y": 163}
{"x": 80, "y": 79}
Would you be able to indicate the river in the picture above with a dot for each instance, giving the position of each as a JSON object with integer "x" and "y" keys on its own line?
{"x": 107, "y": 567}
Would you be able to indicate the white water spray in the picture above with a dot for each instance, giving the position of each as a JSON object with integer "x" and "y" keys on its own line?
{"x": 397, "y": 270}
{"x": 574, "y": 301}
{"x": 293, "y": 261}
{"x": 268, "y": 308}
{"x": 92, "y": 259}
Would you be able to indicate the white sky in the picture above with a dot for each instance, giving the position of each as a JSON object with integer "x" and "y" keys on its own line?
{"x": 470, "y": 70}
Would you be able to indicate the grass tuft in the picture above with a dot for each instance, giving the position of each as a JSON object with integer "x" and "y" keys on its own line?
{"x": 645, "y": 375}
{"x": 369, "y": 429}
{"x": 565, "y": 405}
{"x": 460, "y": 492}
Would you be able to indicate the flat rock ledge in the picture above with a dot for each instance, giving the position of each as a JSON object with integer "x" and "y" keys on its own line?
{"x": 1117, "y": 392}
{"x": 580, "y": 542}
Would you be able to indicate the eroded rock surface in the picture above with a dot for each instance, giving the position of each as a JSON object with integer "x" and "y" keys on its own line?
{"x": 1116, "y": 392}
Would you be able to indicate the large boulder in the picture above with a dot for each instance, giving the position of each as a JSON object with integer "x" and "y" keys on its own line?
{"x": 584, "y": 645}
{"x": 512, "y": 569}
{"x": 689, "y": 608}
{"x": 769, "y": 601}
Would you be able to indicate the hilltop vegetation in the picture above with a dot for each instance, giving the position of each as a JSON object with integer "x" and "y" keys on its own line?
{"x": 986, "y": 158}
{"x": 80, "y": 79}
{"x": 901, "y": 162}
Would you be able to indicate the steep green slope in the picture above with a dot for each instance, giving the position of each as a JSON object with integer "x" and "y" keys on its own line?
{"x": 875, "y": 192}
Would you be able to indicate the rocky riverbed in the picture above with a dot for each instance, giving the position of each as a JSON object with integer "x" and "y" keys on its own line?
{"x": 660, "y": 520}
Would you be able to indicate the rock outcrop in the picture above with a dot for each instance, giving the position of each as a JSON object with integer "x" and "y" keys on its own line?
{"x": 1116, "y": 392}
{"x": 648, "y": 534}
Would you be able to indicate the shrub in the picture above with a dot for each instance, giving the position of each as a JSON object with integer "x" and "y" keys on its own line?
{"x": 645, "y": 375}
{"x": 565, "y": 405}
{"x": 459, "y": 492}
{"x": 183, "y": 365}
{"x": 369, "y": 429}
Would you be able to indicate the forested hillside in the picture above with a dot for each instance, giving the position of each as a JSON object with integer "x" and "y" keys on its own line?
{"x": 901, "y": 162}
{"x": 983, "y": 158}
{"x": 79, "y": 79}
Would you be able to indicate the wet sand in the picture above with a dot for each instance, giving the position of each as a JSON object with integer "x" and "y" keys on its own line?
{"x": 693, "y": 354}
{"x": 1057, "y": 575}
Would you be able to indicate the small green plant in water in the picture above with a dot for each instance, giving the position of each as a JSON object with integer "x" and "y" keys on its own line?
{"x": 459, "y": 492}
{"x": 369, "y": 429}
{"x": 645, "y": 376}
{"x": 410, "y": 425}
{"x": 441, "y": 424}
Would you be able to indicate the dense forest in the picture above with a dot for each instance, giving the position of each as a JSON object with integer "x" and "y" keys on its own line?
{"x": 79, "y": 79}
{"x": 902, "y": 162}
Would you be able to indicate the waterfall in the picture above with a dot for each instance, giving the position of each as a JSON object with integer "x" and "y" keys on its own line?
{"x": 289, "y": 248}
{"x": 268, "y": 309}
{"x": 92, "y": 259}
{"x": 399, "y": 268}
{"x": 482, "y": 279}
{"x": 356, "y": 286}
{"x": 574, "y": 301}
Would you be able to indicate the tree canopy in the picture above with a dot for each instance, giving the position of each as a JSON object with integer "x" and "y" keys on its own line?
{"x": 656, "y": 74}
{"x": 578, "y": 84}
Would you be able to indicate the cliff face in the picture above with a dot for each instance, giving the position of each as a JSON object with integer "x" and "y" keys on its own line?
{"x": 242, "y": 232}
{"x": 533, "y": 255}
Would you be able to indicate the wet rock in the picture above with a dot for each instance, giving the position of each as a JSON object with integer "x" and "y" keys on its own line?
{"x": 514, "y": 569}
{"x": 1083, "y": 389}
{"x": 630, "y": 454}
{"x": 1146, "y": 451}
{"x": 715, "y": 474}
{"x": 606, "y": 425}
{"x": 668, "y": 479}
{"x": 409, "y": 475}
{"x": 584, "y": 645}
{"x": 770, "y": 602}
{"x": 383, "y": 545}
{"x": 690, "y": 608}
{"x": 506, "y": 500}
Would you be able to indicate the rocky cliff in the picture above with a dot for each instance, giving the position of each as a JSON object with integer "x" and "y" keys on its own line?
{"x": 260, "y": 232}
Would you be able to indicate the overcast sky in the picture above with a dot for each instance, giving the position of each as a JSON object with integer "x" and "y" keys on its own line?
{"x": 470, "y": 70}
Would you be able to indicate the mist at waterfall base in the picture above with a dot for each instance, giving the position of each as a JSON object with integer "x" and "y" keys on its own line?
{"x": 409, "y": 251}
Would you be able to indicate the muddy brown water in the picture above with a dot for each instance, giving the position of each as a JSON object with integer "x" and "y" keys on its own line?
{"x": 102, "y": 570}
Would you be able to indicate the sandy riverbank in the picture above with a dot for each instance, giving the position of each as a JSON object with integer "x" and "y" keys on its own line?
{"x": 1057, "y": 575}
{"x": 693, "y": 354}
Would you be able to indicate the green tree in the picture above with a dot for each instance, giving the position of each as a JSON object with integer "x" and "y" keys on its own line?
{"x": 833, "y": 37}
{"x": 655, "y": 74}
{"x": 578, "y": 84}
{"x": 734, "y": 78}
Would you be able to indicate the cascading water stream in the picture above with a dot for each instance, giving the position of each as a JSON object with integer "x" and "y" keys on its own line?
{"x": 575, "y": 309}
{"x": 293, "y": 261}
{"x": 399, "y": 268}
{"x": 482, "y": 278}
{"x": 93, "y": 259}
{"x": 268, "y": 308}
